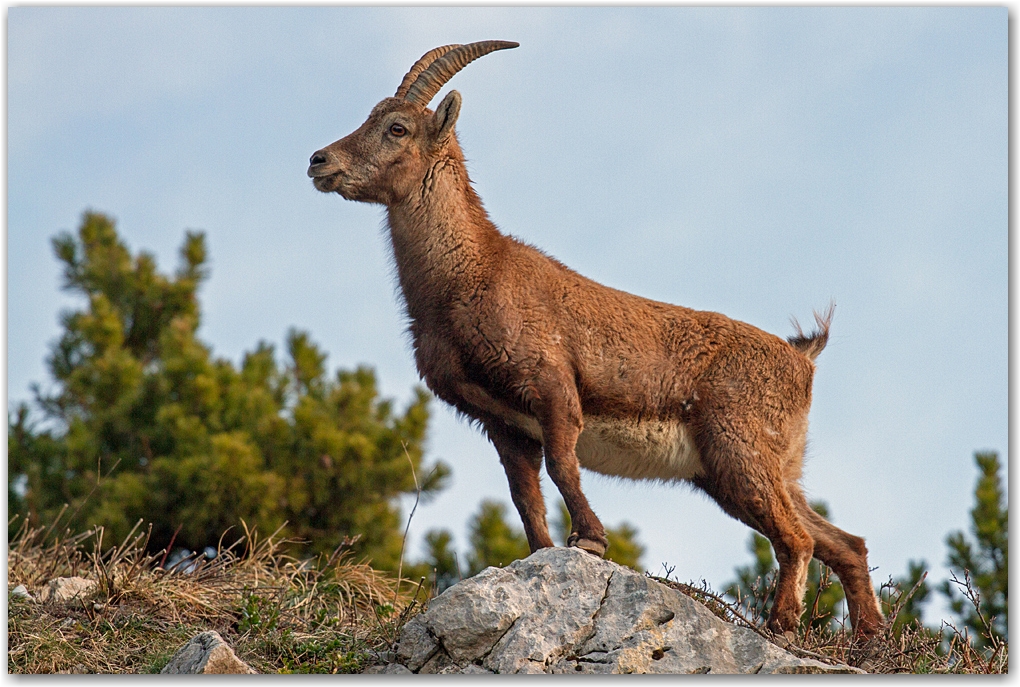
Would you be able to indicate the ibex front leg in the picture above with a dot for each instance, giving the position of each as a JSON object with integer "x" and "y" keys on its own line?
{"x": 522, "y": 460}
{"x": 559, "y": 413}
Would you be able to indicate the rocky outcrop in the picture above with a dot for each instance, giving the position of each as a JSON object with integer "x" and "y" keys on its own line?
{"x": 206, "y": 654}
{"x": 562, "y": 610}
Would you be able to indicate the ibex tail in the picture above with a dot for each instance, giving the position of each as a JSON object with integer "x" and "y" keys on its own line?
{"x": 811, "y": 345}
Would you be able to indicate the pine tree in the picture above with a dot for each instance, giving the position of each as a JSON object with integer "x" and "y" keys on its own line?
{"x": 493, "y": 541}
{"x": 985, "y": 560}
{"x": 144, "y": 423}
{"x": 911, "y": 609}
{"x": 440, "y": 563}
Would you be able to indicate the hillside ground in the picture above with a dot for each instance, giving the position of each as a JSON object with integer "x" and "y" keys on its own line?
{"x": 283, "y": 615}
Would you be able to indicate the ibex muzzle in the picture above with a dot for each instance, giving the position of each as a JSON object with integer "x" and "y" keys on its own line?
{"x": 558, "y": 368}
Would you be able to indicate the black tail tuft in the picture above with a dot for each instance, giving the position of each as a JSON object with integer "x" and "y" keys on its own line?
{"x": 812, "y": 345}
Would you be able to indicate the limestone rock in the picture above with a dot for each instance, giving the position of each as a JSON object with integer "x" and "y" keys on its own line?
{"x": 562, "y": 610}
{"x": 65, "y": 589}
{"x": 22, "y": 592}
{"x": 206, "y": 654}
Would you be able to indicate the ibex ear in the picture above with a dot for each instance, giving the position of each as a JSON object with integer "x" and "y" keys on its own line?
{"x": 446, "y": 116}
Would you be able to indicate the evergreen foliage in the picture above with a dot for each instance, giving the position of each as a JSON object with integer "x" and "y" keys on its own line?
{"x": 911, "y": 609}
{"x": 441, "y": 559}
{"x": 143, "y": 422}
{"x": 985, "y": 559}
{"x": 493, "y": 540}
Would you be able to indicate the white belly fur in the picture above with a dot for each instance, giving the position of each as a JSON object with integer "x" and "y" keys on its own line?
{"x": 649, "y": 449}
{"x": 646, "y": 449}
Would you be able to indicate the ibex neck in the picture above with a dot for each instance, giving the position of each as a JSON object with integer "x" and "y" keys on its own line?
{"x": 442, "y": 238}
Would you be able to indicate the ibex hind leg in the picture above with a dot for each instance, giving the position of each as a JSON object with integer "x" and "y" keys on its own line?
{"x": 848, "y": 558}
{"x": 745, "y": 488}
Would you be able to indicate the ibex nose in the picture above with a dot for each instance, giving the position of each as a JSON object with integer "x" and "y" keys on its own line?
{"x": 322, "y": 163}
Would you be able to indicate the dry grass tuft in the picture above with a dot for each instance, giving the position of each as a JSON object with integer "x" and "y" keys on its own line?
{"x": 907, "y": 649}
{"x": 280, "y": 614}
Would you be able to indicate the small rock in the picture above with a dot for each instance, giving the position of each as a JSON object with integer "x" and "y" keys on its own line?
{"x": 21, "y": 591}
{"x": 65, "y": 589}
{"x": 390, "y": 669}
{"x": 206, "y": 654}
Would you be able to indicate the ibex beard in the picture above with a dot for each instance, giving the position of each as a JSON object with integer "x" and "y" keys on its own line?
{"x": 556, "y": 367}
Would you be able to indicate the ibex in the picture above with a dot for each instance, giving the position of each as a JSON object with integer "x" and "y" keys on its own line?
{"x": 552, "y": 364}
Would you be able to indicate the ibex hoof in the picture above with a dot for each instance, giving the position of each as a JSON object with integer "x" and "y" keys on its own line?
{"x": 595, "y": 548}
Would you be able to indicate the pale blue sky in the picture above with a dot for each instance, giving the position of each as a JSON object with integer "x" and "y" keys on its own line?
{"x": 753, "y": 161}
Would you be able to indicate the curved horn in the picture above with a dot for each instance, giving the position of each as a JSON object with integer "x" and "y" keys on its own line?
{"x": 442, "y": 70}
{"x": 420, "y": 66}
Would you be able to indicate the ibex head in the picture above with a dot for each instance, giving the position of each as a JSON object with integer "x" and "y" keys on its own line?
{"x": 387, "y": 157}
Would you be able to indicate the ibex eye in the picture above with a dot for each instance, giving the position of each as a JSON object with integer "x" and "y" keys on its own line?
{"x": 397, "y": 130}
